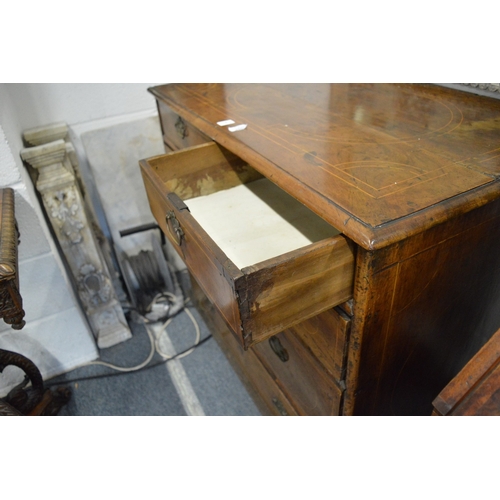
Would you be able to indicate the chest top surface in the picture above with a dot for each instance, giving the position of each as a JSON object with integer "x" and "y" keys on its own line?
{"x": 378, "y": 161}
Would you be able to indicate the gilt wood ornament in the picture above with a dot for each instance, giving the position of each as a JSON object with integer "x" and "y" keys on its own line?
{"x": 11, "y": 304}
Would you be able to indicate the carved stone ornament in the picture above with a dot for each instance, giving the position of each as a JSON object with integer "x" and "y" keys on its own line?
{"x": 490, "y": 87}
{"x": 64, "y": 211}
{"x": 64, "y": 204}
{"x": 484, "y": 89}
{"x": 95, "y": 288}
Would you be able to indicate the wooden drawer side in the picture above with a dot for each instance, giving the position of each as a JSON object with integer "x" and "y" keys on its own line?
{"x": 296, "y": 286}
{"x": 214, "y": 274}
{"x": 200, "y": 170}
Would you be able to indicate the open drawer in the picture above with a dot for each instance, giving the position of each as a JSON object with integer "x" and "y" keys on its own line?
{"x": 264, "y": 260}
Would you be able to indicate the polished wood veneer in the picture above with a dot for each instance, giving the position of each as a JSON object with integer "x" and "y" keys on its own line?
{"x": 257, "y": 300}
{"x": 376, "y": 160}
{"x": 409, "y": 174}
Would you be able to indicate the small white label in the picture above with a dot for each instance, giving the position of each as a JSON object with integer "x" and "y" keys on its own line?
{"x": 236, "y": 128}
{"x": 223, "y": 123}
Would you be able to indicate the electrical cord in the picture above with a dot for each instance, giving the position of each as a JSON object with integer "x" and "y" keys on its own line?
{"x": 164, "y": 330}
{"x": 107, "y": 375}
{"x": 132, "y": 368}
{"x": 154, "y": 341}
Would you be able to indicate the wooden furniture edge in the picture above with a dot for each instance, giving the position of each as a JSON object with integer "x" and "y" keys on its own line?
{"x": 368, "y": 237}
{"x": 469, "y": 377}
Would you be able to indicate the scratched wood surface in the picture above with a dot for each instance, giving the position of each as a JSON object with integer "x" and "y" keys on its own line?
{"x": 411, "y": 174}
{"x": 423, "y": 309}
{"x": 366, "y": 157}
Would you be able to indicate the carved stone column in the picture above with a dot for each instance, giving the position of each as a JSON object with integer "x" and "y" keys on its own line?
{"x": 49, "y": 133}
{"x": 65, "y": 208}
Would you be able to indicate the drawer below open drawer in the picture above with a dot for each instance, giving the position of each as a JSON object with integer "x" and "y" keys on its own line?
{"x": 266, "y": 262}
{"x": 304, "y": 381}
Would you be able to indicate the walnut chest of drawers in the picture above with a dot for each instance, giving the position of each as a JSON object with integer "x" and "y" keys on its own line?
{"x": 381, "y": 278}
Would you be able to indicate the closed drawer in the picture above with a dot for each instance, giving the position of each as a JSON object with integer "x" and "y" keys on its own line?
{"x": 326, "y": 336}
{"x": 299, "y": 375}
{"x": 256, "y": 375}
{"x": 268, "y": 390}
{"x": 265, "y": 261}
{"x": 259, "y": 383}
{"x": 177, "y": 133}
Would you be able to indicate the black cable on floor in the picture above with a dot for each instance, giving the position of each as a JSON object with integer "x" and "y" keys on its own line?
{"x": 116, "y": 374}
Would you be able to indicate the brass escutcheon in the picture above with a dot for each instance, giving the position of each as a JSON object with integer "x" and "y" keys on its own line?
{"x": 174, "y": 227}
{"x": 181, "y": 128}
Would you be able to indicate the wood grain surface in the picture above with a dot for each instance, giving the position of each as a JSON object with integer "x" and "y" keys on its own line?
{"x": 366, "y": 157}
{"x": 256, "y": 301}
{"x": 410, "y": 175}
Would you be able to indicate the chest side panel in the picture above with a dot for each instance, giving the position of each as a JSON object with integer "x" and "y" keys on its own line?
{"x": 422, "y": 316}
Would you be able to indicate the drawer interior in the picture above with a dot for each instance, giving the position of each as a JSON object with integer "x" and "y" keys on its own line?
{"x": 201, "y": 170}
{"x": 263, "y": 259}
{"x": 260, "y": 221}
{"x": 248, "y": 217}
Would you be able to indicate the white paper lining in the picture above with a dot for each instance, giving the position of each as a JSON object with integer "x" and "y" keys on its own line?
{"x": 257, "y": 221}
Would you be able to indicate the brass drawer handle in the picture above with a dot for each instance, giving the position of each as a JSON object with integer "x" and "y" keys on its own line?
{"x": 174, "y": 227}
{"x": 181, "y": 128}
{"x": 278, "y": 349}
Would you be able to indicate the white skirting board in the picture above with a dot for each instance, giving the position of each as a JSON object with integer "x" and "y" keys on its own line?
{"x": 257, "y": 221}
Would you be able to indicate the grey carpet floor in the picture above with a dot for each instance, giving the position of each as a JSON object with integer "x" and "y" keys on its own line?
{"x": 151, "y": 390}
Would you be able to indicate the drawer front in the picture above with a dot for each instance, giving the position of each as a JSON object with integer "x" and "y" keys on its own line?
{"x": 262, "y": 382}
{"x": 299, "y": 375}
{"x": 266, "y": 394}
{"x": 256, "y": 301}
{"x": 326, "y": 336}
{"x": 177, "y": 133}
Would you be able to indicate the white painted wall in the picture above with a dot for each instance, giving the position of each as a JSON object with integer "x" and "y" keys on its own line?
{"x": 56, "y": 336}
{"x": 39, "y": 104}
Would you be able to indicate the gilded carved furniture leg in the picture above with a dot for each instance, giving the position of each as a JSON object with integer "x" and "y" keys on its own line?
{"x": 11, "y": 304}
{"x": 34, "y": 400}
{"x": 19, "y": 401}
{"x": 20, "y": 398}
